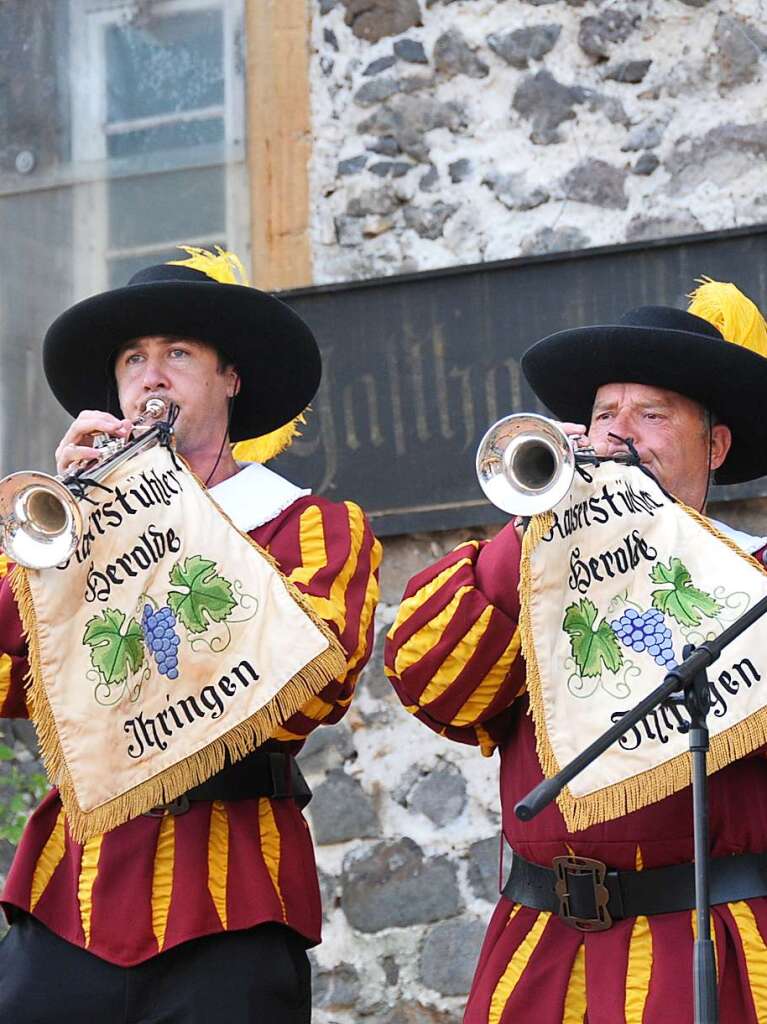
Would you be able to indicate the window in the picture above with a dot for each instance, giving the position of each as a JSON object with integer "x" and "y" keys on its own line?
{"x": 157, "y": 126}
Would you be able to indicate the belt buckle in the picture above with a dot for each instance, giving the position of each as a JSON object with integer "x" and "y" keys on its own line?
{"x": 174, "y": 807}
{"x": 570, "y": 867}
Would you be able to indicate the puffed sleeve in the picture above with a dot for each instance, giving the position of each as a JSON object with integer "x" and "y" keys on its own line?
{"x": 330, "y": 553}
{"x": 453, "y": 654}
{"x": 13, "y": 651}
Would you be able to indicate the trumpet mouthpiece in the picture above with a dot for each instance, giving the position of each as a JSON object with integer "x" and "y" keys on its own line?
{"x": 154, "y": 408}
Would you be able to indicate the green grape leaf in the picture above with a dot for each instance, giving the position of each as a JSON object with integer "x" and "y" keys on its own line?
{"x": 682, "y": 601}
{"x": 117, "y": 648}
{"x": 592, "y": 647}
{"x": 203, "y": 596}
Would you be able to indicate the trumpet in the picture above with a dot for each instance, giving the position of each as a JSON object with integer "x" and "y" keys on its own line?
{"x": 40, "y": 519}
{"x": 526, "y": 464}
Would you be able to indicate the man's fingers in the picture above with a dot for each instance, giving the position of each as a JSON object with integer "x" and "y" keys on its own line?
{"x": 574, "y": 429}
{"x": 92, "y": 422}
{"x": 70, "y": 456}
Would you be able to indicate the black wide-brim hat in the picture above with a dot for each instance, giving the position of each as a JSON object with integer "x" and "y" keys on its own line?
{"x": 666, "y": 348}
{"x": 274, "y": 351}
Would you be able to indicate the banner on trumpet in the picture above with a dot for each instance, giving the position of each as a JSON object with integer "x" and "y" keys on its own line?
{"x": 151, "y": 649}
{"x": 614, "y": 582}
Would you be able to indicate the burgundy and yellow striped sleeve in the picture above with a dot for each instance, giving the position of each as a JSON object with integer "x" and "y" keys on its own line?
{"x": 13, "y": 652}
{"x": 453, "y": 653}
{"x": 329, "y": 551}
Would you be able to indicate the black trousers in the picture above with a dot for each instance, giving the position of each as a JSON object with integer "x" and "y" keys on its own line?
{"x": 257, "y": 976}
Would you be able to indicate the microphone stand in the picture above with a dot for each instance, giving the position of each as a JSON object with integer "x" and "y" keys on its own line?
{"x": 690, "y": 677}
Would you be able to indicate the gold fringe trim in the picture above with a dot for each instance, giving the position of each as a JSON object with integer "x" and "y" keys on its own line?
{"x": 172, "y": 782}
{"x": 656, "y": 783}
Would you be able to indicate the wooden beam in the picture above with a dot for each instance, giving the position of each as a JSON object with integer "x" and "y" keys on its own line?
{"x": 279, "y": 143}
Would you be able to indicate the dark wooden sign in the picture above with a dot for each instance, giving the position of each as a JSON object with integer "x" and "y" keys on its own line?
{"x": 417, "y": 367}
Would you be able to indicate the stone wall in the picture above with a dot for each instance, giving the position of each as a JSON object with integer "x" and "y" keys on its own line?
{"x": 455, "y": 131}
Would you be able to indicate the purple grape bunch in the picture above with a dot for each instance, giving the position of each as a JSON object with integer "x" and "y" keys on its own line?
{"x": 646, "y": 631}
{"x": 159, "y": 626}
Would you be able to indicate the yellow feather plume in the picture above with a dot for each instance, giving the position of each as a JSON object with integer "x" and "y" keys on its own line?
{"x": 731, "y": 312}
{"x": 268, "y": 446}
{"x": 226, "y": 268}
{"x": 221, "y": 265}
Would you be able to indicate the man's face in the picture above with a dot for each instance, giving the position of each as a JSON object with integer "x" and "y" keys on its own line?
{"x": 183, "y": 371}
{"x": 670, "y": 433}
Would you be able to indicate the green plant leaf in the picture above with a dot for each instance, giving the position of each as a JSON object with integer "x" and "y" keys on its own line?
{"x": 592, "y": 647}
{"x": 117, "y": 647}
{"x": 6, "y": 754}
{"x": 203, "y": 596}
{"x": 682, "y": 601}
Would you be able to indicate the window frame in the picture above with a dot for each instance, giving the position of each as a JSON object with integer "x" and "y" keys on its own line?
{"x": 92, "y": 168}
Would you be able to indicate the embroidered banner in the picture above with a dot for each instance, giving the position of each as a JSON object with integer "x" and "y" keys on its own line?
{"x": 168, "y": 641}
{"x": 614, "y": 582}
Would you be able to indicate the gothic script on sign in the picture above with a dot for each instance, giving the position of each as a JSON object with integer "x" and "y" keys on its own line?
{"x": 615, "y": 581}
{"x": 161, "y": 647}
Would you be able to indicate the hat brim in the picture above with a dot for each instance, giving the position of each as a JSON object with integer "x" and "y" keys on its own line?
{"x": 273, "y": 349}
{"x": 566, "y": 369}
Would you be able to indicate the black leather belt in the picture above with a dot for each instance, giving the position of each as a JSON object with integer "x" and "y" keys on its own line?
{"x": 589, "y": 896}
{"x": 262, "y": 773}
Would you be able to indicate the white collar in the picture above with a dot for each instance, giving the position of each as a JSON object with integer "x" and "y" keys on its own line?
{"x": 745, "y": 541}
{"x": 255, "y": 496}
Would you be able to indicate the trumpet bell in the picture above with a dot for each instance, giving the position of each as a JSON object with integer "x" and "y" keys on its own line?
{"x": 525, "y": 464}
{"x": 41, "y": 520}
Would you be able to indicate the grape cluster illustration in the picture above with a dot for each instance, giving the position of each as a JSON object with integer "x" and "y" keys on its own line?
{"x": 646, "y": 631}
{"x": 159, "y": 627}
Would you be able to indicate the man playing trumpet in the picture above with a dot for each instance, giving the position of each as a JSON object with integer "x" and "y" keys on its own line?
{"x": 683, "y": 389}
{"x": 202, "y": 908}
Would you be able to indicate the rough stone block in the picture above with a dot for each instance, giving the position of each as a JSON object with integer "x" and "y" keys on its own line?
{"x": 341, "y": 810}
{"x": 692, "y": 160}
{"x": 631, "y": 71}
{"x": 390, "y": 168}
{"x": 559, "y": 239}
{"x": 642, "y": 229}
{"x": 543, "y": 101}
{"x": 392, "y": 885}
{"x": 440, "y": 794}
{"x": 375, "y": 67}
{"x": 524, "y": 44}
{"x": 418, "y": 1013}
{"x": 645, "y": 135}
{"x": 371, "y": 20}
{"x": 483, "y": 868}
{"x": 430, "y": 180}
{"x": 459, "y": 170}
{"x": 332, "y": 745}
{"x": 408, "y": 118}
{"x": 410, "y": 50}
{"x": 352, "y": 165}
{"x": 597, "y": 34}
{"x": 375, "y": 91}
{"x": 328, "y": 890}
{"x": 428, "y": 222}
{"x": 739, "y": 47}
{"x": 387, "y": 145}
{"x": 372, "y": 200}
{"x": 513, "y": 191}
{"x": 598, "y": 183}
{"x": 338, "y": 987}
{"x": 646, "y": 164}
{"x": 453, "y": 56}
{"x": 449, "y": 955}
{"x": 326, "y": 6}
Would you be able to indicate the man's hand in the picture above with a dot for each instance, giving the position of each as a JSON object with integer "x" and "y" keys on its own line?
{"x": 76, "y": 447}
